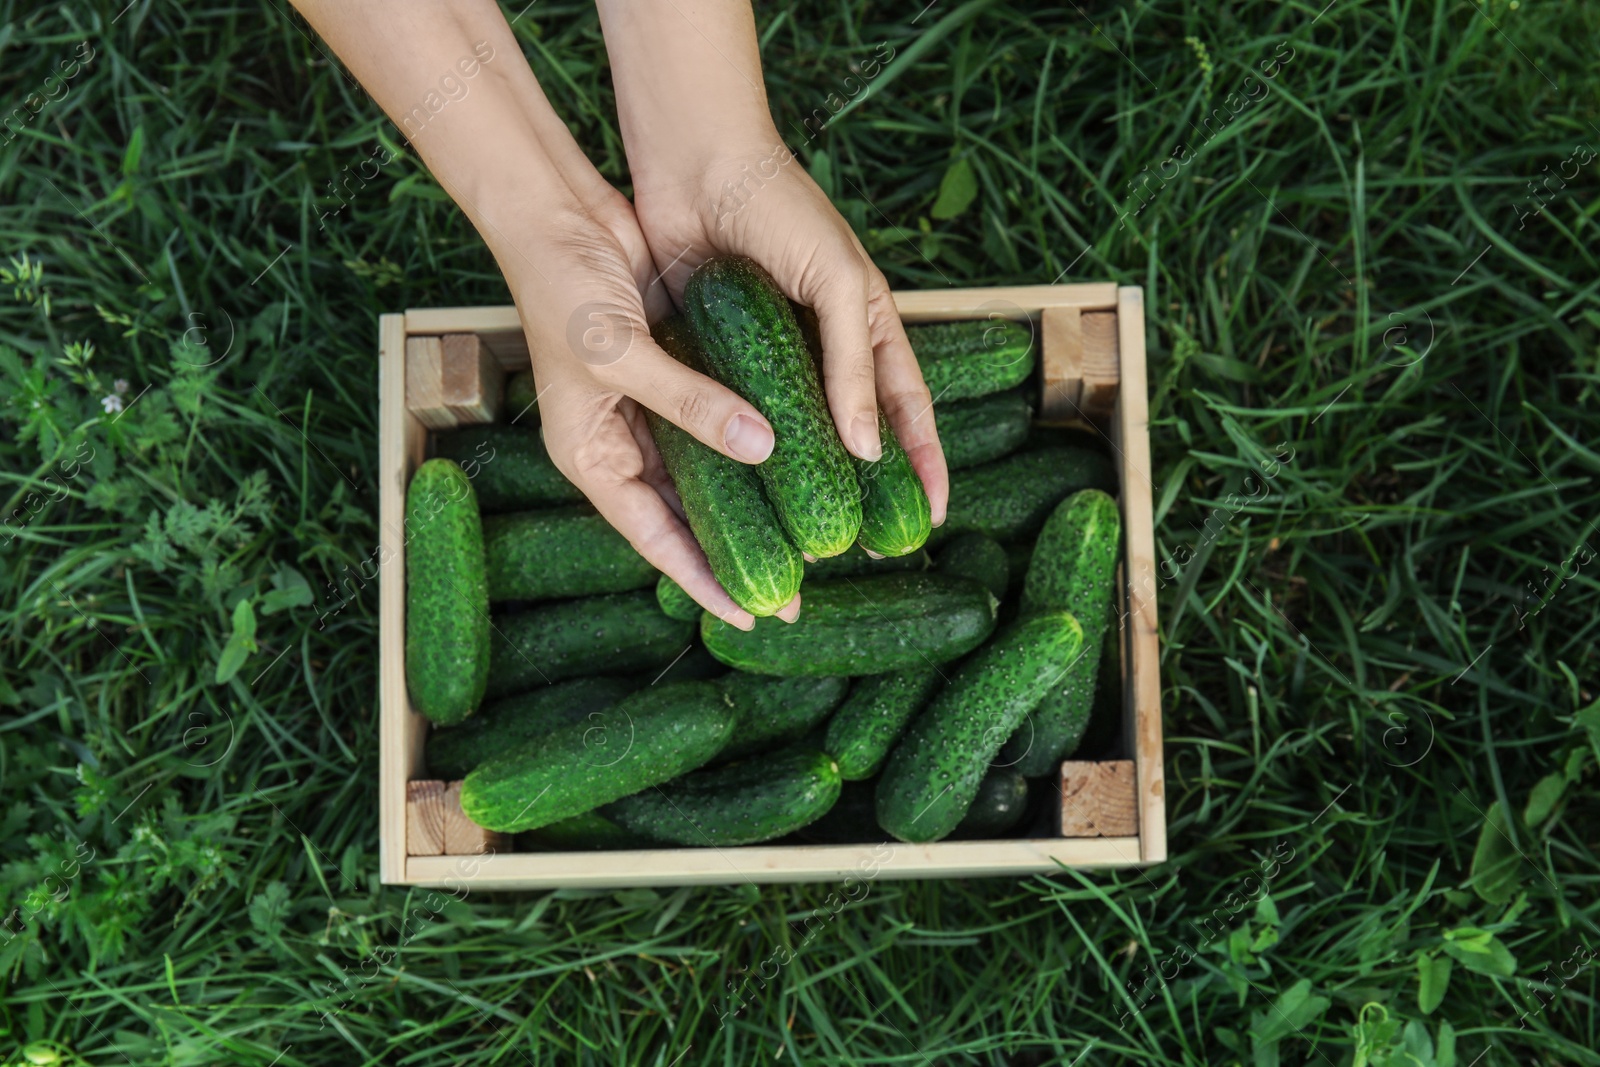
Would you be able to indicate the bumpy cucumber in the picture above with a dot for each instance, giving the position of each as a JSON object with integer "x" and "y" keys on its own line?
{"x": 522, "y": 399}
{"x": 752, "y": 344}
{"x": 454, "y": 751}
{"x": 896, "y": 517}
{"x": 740, "y": 804}
{"x": 725, "y": 504}
{"x": 695, "y": 665}
{"x": 643, "y": 740}
{"x": 856, "y": 563}
{"x": 961, "y": 360}
{"x": 972, "y": 555}
{"x": 1074, "y": 569}
{"x": 1012, "y": 497}
{"x": 589, "y": 832}
{"x": 447, "y": 600}
{"x": 862, "y": 626}
{"x": 866, "y": 727}
{"x": 592, "y": 635}
{"x": 984, "y": 429}
{"x": 509, "y": 466}
{"x": 999, "y": 805}
{"x": 933, "y": 773}
{"x": 675, "y": 602}
{"x": 559, "y": 553}
{"x": 774, "y": 711}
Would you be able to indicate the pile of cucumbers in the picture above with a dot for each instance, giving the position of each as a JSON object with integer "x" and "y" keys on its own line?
{"x": 588, "y": 702}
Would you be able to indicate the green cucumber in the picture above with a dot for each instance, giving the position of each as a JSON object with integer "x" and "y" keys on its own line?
{"x": 1073, "y": 569}
{"x": 589, "y": 832}
{"x": 591, "y": 635}
{"x": 1018, "y": 555}
{"x": 984, "y": 429}
{"x": 740, "y": 804}
{"x": 972, "y": 555}
{"x": 1011, "y": 497}
{"x": 509, "y": 467}
{"x": 643, "y": 740}
{"x": 866, "y": 727}
{"x": 675, "y": 602}
{"x": 725, "y": 505}
{"x": 862, "y": 626}
{"x": 896, "y": 517}
{"x": 447, "y": 600}
{"x": 452, "y": 752}
{"x": 695, "y": 664}
{"x": 752, "y": 344}
{"x": 559, "y": 553}
{"x": 856, "y": 563}
{"x": 933, "y": 773}
{"x": 999, "y": 805}
{"x": 521, "y": 400}
{"x": 961, "y": 360}
{"x": 775, "y": 711}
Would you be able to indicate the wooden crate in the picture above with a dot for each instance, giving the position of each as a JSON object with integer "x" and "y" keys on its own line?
{"x": 442, "y": 367}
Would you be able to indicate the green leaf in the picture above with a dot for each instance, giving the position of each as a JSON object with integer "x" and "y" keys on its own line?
{"x": 1546, "y": 794}
{"x": 135, "y": 151}
{"x": 289, "y": 590}
{"x": 269, "y": 907}
{"x": 240, "y": 644}
{"x": 1293, "y": 1011}
{"x": 1480, "y": 951}
{"x": 957, "y": 190}
{"x": 1433, "y": 978}
{"x": 1497, "y": 868}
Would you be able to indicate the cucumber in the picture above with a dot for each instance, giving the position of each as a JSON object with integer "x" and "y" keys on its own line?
{"x": 675, "y": 602}
{"x": 972, "y": 555}
{"x": 775, "y": 711}
{"x": 559, "y": 553}
{"x": 509, "y": 467}
{"x": 1001, "y": 801}
{"x": 521, "y": 400}
{"x": 725, "y": 505}
{"x": 454, "y": 751}
{"x": 961, "y": 360}
{"x": 896, "y": 517}
{"x": 1074, "y": 569}
{"x": 740, "y": 804}
{"x": 851, "y": 820}
{"x": 694, "y": 664}
{"x": 862, "y": 626}
{"x": 855, "y": 563}
{"x": 1018, "y": 555}
{"x": 863, "y": 731}
{"x": 447, "y": 600}
{"x": 752, "y": 344}
{"x": 591, "y": 635}
{"x": 984, "y": 429}
{"x": 933, "y": 773}
{"x": 1011, "y": 497}
{"x": 643, "y": 740}
{"x": 589, "y": 832}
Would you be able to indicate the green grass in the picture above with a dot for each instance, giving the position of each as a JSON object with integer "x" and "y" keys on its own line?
{"x": 1353, "y": 703}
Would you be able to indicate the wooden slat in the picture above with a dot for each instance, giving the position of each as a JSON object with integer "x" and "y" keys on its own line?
{"x": 462, "y": 836}
{"x": 401, "y": 441}
{"x": 1102, "y": 365}
{"x": 425, "y": 818}
{"x": 850, "y": 865}
{"x": 1097, "y": 799}
{"x": 1061, "y": 363}
{"x": 471, "y": 381}
{"x": 425, "y": 383}
{"x": 1143, "y": 678}
{"x": 932, "y": 305}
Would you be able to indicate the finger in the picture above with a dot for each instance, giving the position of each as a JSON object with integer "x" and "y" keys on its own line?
{"x": 657, "y": 534}
{"x": 790, "y": 611}
{"x": 653, "y": 471}
{"x": 708, "y": 410}
{"x": 848, "y": 376}
{"x": 906, "y": 401}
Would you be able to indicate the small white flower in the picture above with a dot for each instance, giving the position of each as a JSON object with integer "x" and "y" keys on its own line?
{"x": 111, "y": 403}
{"x": 121, "y": 386}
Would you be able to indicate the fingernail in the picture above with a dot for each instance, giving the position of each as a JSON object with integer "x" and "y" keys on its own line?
{"x": 748, "y": 440}
{"x": 864, "y": 434}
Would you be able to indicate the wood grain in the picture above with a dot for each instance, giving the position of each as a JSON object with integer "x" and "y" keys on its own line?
{"x": 1102, "y": 365}
{"x": 424, "y": 375}
{"x": 462, "y": 836}
{"x": 471, "y": 381}
{"x": 1097, "y": 799}
{"x": 425, "y": 817}
{"x": 1060, "y": 362}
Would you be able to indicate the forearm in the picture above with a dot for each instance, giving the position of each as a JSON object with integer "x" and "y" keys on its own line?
{"x": 688, "y": 84}
{"x": 453, "y": 79}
